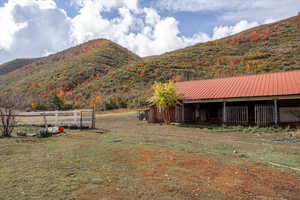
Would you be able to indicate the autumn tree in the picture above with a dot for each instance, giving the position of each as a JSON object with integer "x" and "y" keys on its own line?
{"x": 177, "y": 78}
{"x": 165, "y": 97}
{"x": 94, "y": 101}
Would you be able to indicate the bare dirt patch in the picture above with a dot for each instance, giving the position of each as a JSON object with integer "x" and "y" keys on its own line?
{"x": 198, "y": 174}
{"x": 108, "y": 192}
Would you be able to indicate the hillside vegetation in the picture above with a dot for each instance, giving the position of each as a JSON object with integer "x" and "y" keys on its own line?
{"x": 103, "y": 73}
{"x": 268, "y": 48}
{"x": 14, "y": 65}
{"x": 60, "y": 74}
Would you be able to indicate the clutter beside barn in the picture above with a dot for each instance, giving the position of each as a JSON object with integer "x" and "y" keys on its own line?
{"x": 255, "y": 100}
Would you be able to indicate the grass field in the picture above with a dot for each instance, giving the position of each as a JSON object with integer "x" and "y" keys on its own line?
{"x": 136, "y": 160}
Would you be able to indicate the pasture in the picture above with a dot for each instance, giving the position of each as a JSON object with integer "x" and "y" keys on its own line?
{"x": 131, "y": 159}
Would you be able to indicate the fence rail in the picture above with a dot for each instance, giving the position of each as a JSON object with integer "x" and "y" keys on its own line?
{"x": 75, "y": 118}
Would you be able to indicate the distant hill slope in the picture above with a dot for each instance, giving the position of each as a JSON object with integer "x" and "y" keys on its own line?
{"x": 267, "y": 48}
{"x": 61, "y": 73}
{"x": 15, "y": 64}
{"x": 111, "y": 76}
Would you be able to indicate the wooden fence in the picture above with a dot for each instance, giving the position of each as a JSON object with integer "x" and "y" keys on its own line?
{"x": 237, "y": 115}
{"x": 74, "y": 118}
{"x": 264, "y": 115}
{"x": 157, "y": 116}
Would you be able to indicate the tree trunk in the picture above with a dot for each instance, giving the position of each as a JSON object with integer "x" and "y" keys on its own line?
{"x": 167, "y": 116}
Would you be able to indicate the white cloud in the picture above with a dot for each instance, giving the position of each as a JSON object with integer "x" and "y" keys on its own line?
{"x": 152, "y": 17}
{"x": 31, "y": 28}
{"x": 43, "y": 4}
{"x": 83, "y": 29}
{"x": 236, "y": 10}
{"x": 224, "y": 31}
{"x": 8, "y": 26}
{"x": 153, "y": 34}
{"x": 196, "y": 38}
{"x": 108, "y": 4}
{"x": 142, "y": 30}
{"x": 199, "y": 5}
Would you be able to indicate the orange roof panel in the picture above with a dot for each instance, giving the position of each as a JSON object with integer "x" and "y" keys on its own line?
{"x": 260, "y": 85}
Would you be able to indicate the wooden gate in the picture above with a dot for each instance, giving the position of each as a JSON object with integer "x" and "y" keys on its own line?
{"x": 264, "y": 114}
{"x": 237, "y": 115}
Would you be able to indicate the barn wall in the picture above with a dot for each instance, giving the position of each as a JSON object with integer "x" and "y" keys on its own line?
{"x": 289, "y": 114}
{"x": 178, "y": 114}
{"x": 156, "y": 116}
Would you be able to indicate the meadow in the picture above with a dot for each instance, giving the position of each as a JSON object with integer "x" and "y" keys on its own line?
{"x": 129, "y": 159}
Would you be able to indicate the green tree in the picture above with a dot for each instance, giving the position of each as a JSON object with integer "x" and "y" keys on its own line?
{"x": 56, "y": 103}
{"x": 165, "y": 97}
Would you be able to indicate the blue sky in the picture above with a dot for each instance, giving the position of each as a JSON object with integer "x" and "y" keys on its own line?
{"x": 34, "y": 28}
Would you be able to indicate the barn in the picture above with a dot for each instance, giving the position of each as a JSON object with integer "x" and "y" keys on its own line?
{"x": 255, "y": 100}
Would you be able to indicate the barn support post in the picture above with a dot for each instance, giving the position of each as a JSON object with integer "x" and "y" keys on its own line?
{"x": 197, "y": 112}
{"x": 224, "y": 113}
{"x": 276, "y": 112}
{"x": 182, "y": 113}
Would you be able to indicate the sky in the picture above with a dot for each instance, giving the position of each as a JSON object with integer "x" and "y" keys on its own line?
{"x": 35, "y": 28}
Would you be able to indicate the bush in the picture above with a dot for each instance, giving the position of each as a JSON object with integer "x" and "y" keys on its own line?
{"x": 139, "y": 101}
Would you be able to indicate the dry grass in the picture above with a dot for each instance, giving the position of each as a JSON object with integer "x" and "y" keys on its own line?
{"x": 137, "y": 160}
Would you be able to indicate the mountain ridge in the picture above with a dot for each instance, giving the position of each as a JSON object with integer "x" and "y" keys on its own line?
{"x": 15, "y": 64}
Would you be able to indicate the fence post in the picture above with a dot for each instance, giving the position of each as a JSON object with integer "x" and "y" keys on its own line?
{"x": 56, "y": 118}
{"x": 81, "y": 120}
{"x": 75, "y": 117}
{"x": 45, "y": 121}
{"x": 93, "y": 118}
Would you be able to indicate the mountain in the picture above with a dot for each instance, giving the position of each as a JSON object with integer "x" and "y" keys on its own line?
{"x": 107, "y": 74}
{"x": 15, "y": 64}
{"x": 61, "y": 73}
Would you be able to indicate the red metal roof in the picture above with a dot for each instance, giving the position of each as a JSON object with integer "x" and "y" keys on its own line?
{"x": 260, "y": 85}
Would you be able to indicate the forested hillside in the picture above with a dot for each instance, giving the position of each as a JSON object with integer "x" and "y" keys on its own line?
{"x": 15, "y": 64}
{"x": 60, "y": 74}
{"x": 108, "y": 75}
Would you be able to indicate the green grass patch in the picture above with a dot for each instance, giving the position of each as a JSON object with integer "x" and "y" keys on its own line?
{"x": 241, "y": 129}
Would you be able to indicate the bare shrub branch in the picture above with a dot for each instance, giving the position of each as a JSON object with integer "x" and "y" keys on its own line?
{"x": 8, "y": 104}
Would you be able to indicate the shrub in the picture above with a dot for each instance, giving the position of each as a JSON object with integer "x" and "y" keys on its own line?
{"x": 165, "y": 97}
